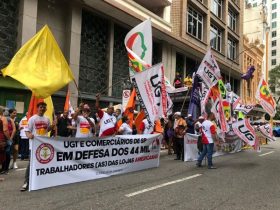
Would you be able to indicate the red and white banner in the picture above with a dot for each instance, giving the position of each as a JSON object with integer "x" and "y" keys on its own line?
{"x": 219, "y": 113}
{"x": 244, "y": 108}
{"x": 204, "y": 95}
{"x": 151, "y": 92}
{"x": 265, "y": 98}
{"x": 234, "y": 99}
{"x": 125, "y": 98}
{"x": 69, "y": 160}
{"x": 209, "y": 70}
{"x": 266, "y": 131}
{"x": 245, "y": 131}
{"x": 190, "y": 147}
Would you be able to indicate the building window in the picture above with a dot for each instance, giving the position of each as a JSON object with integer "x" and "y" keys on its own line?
{"x": 274, "y": 15}
{"x": 216, "y": 38}
{"x": 232, "y": 20}
{"x": 195, "y": 23}
{"x": 273, "y": 62}
{"x": 273, "y": 53}
{"x": 216, "y": 7}
{"x": 274, "y": 6}
{"x": 274, "y": 24}
{"x": 273, "y": 43}
{"x": 273, "y": 34}
{"x": 231, "y": 49}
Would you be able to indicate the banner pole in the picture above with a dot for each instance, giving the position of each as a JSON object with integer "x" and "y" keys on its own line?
{"x": 185, "y": 100}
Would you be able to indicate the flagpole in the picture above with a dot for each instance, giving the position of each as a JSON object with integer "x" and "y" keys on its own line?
{"x": 79, "y": 93}
{"x": 185, "y": 100}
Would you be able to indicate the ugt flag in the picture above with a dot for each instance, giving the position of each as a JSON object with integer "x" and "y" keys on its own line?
{"x": 151, "y": 92}
{"x": 245, "y": 131}
{"x": 209, "y": 70}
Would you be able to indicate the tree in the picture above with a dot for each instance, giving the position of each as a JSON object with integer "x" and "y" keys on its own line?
{"x": 274, "y": 84}
{"x": 274, "y": 77}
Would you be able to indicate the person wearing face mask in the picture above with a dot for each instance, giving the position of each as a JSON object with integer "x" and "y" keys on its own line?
{"x": 84, "y": 123}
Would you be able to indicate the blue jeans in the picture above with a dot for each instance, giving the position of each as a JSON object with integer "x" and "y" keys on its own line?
{"x": 207, "y": 149}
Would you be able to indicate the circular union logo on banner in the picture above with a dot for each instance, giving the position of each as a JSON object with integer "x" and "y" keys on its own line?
{"x": 45, "y": 153}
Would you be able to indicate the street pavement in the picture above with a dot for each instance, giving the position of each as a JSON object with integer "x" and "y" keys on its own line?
{"x": 245, "y": 180}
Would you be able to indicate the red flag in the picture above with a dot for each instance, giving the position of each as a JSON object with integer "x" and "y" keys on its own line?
{"x": 129, "y": 110}
{"x": 140, "y": 117}
{"x": 32, "y": 109}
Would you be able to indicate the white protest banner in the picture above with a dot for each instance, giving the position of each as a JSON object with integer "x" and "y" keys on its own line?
{"x": 204, "y": 95}
{"x": 231, "y": 145}
{"x": 209, "y": 70}
{"x": 151, "y": 92}
{"x": 68, "y": 160}
{"x": 244, "y": 108}
{"x": 266, "y": 131}
{"x": 264, "y": 96}
{"x": 125, "y": 98}
{"x": 190, "y": 147}
{"x": 219, "y": 113}
{"x": 138, "y": 43}
{"x": 234, "y": 99}
{"x": 245, "y": 131}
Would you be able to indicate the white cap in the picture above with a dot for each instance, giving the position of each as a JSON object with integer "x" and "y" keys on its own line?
{"x": 189, "y": 115}
{"x": 201, "y": 118}
{"x": 177, "y": 113}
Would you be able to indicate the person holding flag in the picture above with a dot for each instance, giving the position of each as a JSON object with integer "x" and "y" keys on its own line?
{"x": 107, "y": 119}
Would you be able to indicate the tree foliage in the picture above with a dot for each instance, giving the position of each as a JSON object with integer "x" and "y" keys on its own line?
{"x": 274, "y": 84}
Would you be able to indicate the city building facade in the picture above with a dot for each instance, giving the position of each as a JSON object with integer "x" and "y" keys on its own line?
{"x": 91, "y": 35}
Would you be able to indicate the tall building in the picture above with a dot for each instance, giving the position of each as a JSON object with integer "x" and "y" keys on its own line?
{"x": 91, "y": 35}
{"x": 274, "y": 37}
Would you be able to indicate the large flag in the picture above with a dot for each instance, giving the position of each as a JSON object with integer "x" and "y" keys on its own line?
{"x": 249, "y": 74}
{"x": 234, "y": 99}
{"x": 129, "y": 110}
{"x": 225, "y": 100}
{"x": 151, "y": 92}
{"x": 266, "y": 131}
{"x": 194, "y": 105}
{"x": 245, "y": 131}
{"x": 264, "y": 96}
{"x": 40, "y": 65}
{"x": 209, "y": 70}
{"x": 204, "y": 96}
{"x": 218, "y": 109}
{"x": 138, "y": 43}
{"x": 244, "y": 108}
{"x": 68, "y": 106}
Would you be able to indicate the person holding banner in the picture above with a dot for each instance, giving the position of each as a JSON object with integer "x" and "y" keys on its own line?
{"x": 85, "y": 124}
{"x": 209, "y": 136}
{"x": 38, "y": 125}
{"x": 125, "y": 128}
{"x": 107, "y": 119}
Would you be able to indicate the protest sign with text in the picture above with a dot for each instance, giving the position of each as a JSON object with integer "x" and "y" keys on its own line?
{"x": 209, "y": 70}
{"x": 151, "y": 92}
{"x": 69, "y": 160}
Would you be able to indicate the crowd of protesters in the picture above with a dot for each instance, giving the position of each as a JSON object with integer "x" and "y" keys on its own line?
{"x": 84, "y": 123}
